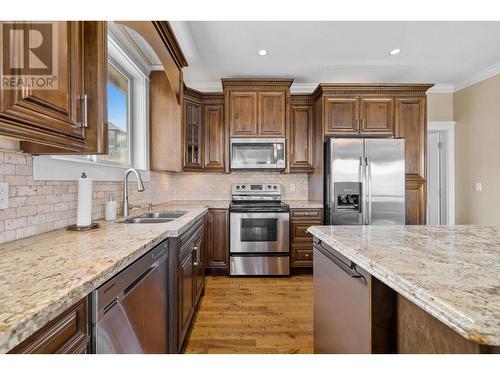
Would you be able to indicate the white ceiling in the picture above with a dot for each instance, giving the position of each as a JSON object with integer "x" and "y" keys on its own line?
{"x": 446, "y": 53}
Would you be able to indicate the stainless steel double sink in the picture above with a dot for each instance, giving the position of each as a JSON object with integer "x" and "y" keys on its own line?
{"x": 155, "y": 217}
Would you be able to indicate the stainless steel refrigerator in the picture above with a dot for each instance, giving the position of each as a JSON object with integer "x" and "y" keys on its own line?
{"x": 364, "y": 181}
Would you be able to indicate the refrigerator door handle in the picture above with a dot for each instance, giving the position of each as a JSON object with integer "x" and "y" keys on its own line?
{"x": 369, "y": 189}
{"x": 362, "y": 179}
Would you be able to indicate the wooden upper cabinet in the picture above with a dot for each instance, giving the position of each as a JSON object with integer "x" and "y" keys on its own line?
{"x": 54, "y": 117}
{"x": 301, "y": 138}
{"x": 214, "y": 137}
{"x": 243, "y": 113}
{"x": 377, "y": 115}
{"x": 341, "y": 115}
{"x": 193, "y": 153}
{"x": 272, "y": 113}
{"x": 411, "y": 125}
{"x": 257, "y": 107}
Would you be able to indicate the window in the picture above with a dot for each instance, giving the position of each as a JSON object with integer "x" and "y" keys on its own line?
{"x": 128, "y": 107}
{"x": 118, "y": 117}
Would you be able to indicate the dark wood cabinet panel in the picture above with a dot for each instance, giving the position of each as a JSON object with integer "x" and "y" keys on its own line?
{"x": 193, "y": 136}
{"x": 301, "y": 248}
{"x": 217, "y": 250}
{"x": 243, "y": 113}
{"x": 215, "y": 137}
{"x": 186, "y": 295}
{"x": 272, "y": 113}
{"x": 411, "y": 125}
{"x": 199, "y": 266}
{"x": 415, "y": 195}
{"x": 377, "y": 115}
{"x": 56, "y": 110}
{"x": 256, "y": 107}
{"x": 341, "y": 115}
{"x": 167, "y": 125}
{"x": 66, "y": 334}
{"x": 300, "y": 140}
{"x": 53, "y": 120}
{"x": 301, "y": 255}
{"x": 299, "y": 232}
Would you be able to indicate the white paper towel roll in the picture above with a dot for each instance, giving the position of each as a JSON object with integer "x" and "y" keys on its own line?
{"x": 84, "y": 211}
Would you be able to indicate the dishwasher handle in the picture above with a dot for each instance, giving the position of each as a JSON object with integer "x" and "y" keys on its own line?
{"x": 348, "y": 269}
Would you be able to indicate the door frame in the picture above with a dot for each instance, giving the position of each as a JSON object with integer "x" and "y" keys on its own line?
{"x": 447, "y": 131}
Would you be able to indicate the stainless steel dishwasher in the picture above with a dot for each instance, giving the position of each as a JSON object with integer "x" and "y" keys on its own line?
{"x": 341, "y": 303}
{"x": 129, "y": 312}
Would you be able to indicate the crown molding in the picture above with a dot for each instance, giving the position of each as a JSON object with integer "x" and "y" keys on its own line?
{"x": 440, "y": 88}
{"x": 205, "y": 86}
{"x": 303, "y": 88}
{"x": 489, "y": 72}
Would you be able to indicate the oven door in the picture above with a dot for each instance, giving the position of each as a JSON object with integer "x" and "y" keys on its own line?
{"x": 257, "y": 153}
{"x": 259, "y": 232}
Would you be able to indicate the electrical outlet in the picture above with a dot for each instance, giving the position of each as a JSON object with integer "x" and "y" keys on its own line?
{"x": 292, "y": 187}
{"x": 4, "y": 195}
{"x": 479, "y": 186}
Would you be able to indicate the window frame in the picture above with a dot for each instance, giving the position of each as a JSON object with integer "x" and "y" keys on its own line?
{"x": 131, "y": 99}
{"x": 70, "y": 167}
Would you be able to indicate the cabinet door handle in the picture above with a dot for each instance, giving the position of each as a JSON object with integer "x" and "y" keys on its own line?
{"x": 85, "y": 101}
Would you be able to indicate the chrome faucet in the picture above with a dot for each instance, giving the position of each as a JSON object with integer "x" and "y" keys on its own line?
{"x": 140, "y": 188}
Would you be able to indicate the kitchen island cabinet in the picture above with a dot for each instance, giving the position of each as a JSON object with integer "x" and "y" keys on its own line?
{"x": 68, "y": 333}
{"x": 411, "y": 289}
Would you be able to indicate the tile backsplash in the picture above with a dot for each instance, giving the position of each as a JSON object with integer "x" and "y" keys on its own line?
{"x": 41, "y": 206}
{"x": 37, "y": 207}
{"x": 194, "y": 185}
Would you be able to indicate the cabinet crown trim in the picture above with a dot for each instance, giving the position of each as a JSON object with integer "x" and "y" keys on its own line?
{"x": 256, "y": 83}
{"x": 168, "y": 36}
{"x": 372, "y": 88}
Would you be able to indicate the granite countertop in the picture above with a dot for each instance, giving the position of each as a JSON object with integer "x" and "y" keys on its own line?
{"x": 452, "y": 272}
{"x": 43, "y": 275}
{"x": 303, "y": 204}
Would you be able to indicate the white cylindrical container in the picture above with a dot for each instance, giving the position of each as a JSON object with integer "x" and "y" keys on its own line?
{"x": 84, "y": 210}
{"x": 110, "y": 211}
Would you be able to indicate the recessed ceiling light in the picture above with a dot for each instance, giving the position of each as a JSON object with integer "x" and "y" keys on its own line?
{"x": 395, "y": 51}
{"x": 263, "y": 52}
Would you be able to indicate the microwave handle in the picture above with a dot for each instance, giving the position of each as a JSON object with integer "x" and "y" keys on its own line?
{"x": 275, "y": 152}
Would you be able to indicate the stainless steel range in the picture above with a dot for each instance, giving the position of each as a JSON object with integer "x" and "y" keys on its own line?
{"x": 259, "y": 223}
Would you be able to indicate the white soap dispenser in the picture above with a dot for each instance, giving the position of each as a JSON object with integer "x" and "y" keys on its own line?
{"x": 110, "y": 211}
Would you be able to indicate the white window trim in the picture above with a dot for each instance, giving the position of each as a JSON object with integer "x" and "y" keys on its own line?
{"x": 447, "y": 128}
{"x": 67, "y": 167}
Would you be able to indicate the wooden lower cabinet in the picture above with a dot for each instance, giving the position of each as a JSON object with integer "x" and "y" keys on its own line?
{"x": 187, "y": 283}
{"x": 186, "y": 294}
{"x": 217, "y": 244}
{"x": 301, "y": 248}
{"x": 66, "y": 334}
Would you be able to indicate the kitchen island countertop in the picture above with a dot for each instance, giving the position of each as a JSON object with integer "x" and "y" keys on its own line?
{"x": 451, "y": 272}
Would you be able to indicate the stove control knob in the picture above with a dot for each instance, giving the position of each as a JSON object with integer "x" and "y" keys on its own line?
{"x": 243, "y": 186}
{"x": 275, "y": 187}
{"x": 237, "y": 187}
{"x": 269, "y": 187}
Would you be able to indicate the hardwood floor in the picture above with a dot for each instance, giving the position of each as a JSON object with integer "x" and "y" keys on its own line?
{"x": 254, "y": 315}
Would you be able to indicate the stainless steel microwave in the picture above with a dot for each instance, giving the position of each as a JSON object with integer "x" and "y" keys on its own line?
{"x": 258, "y": 153}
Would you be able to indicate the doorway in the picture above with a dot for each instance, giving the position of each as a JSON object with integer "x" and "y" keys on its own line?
{"x": 440, "y": 173}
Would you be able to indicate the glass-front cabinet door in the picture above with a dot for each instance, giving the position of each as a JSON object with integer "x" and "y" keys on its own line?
{"x": 193, "y": 136}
